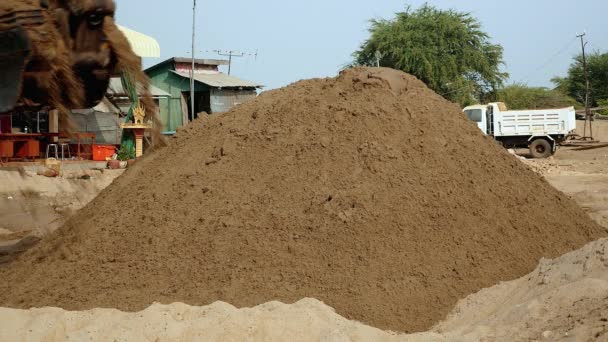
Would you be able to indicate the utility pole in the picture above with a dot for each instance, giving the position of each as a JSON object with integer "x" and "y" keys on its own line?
{"x": 587, "y": 108}
{"x": 230, "y": 54}
{"x": 192, "y": 110}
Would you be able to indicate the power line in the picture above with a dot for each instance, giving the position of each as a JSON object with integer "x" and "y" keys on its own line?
{"x": 534, "y": 73}
{"x": 456, "y": 90}
{"x": 551, "y": 59}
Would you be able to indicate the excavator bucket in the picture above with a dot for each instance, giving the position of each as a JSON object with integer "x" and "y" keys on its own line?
{"x": 57, "y": 53}
{"x": 14, "y": 53}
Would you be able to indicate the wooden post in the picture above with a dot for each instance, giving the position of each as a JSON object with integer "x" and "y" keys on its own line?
{"x": 54, "y": 123}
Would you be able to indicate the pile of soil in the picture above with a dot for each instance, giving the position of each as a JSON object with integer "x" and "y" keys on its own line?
{"x": 368, "y": 192}
{"x": 561, "y": 300}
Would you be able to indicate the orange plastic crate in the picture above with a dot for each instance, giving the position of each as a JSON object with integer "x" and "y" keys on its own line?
{"x": 103, "y": 152}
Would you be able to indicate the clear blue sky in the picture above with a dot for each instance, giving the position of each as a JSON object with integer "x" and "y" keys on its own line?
{"x": 314, "y": 38}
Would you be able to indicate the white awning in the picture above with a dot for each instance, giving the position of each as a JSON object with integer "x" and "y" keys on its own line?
{"x": 142, "y": 45}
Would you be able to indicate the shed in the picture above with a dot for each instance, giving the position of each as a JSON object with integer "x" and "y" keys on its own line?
{"x": 104, "y": 119}
{"x": 214, "y": 91}
{"x": 115, "y": 89}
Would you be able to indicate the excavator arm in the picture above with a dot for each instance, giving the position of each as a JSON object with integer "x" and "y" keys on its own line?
{"x": 15, "y": 51}
{"x": 61, "y": 54}
{"x": 54, "y": 54}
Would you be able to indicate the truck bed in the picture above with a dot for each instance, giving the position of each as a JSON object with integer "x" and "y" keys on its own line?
{"x": 535, "y": 122}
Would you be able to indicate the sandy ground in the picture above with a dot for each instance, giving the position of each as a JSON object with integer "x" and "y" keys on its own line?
{"x": 586, "y": 182}
{"x": 565, "y": 299}
{"x": 581, "y": 174}
{"x": 41, "y": 204}
{"x": 32, "y": 206}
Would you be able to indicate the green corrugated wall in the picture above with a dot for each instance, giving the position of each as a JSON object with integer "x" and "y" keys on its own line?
{"x": 171, "y": 109}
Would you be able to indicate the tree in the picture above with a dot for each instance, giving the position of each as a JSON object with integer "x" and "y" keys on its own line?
{"x": 521, "y": 96}
{"x": 574, "y": 83}
{"x": 445, "y": 49}
{"x": 604, "y": 104}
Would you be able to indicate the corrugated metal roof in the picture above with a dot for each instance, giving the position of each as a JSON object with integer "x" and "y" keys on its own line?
{"x": 142, "y": 45}
{"x": 116, "y": 89}
{"x": 203, "y": 61}
{"x": 219, "y": 80}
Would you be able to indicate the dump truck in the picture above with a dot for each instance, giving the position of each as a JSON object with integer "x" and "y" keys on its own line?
{"x": 541, "y": 131}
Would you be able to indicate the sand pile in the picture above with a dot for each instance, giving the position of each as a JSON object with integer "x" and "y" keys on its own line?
{"x": 565, "y": 299}
{"x": 306, "y": 320}
{"x": 368, "y": 192}
{"x": 562, "y": 300}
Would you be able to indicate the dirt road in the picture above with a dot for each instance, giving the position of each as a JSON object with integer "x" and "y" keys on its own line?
{"x": 583, "y": 175}
{"x": 586, "y": 181}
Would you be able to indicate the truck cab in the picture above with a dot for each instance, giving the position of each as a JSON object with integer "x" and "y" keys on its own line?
{"x": 477, "y": 114}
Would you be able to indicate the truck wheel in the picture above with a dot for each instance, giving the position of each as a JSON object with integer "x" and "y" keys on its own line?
{"x": 540, "y": 148}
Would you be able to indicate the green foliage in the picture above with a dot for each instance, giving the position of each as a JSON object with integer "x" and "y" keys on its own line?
{"x": 574, "y": 83}
{"x": 521, "y": 96}
{"x": 445, "y": 49}
{"x": 126, "y": 152}
{"x": 603, "y": 103}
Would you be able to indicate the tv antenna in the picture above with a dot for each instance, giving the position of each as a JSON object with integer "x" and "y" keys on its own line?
{"x": 230, "y": 54}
